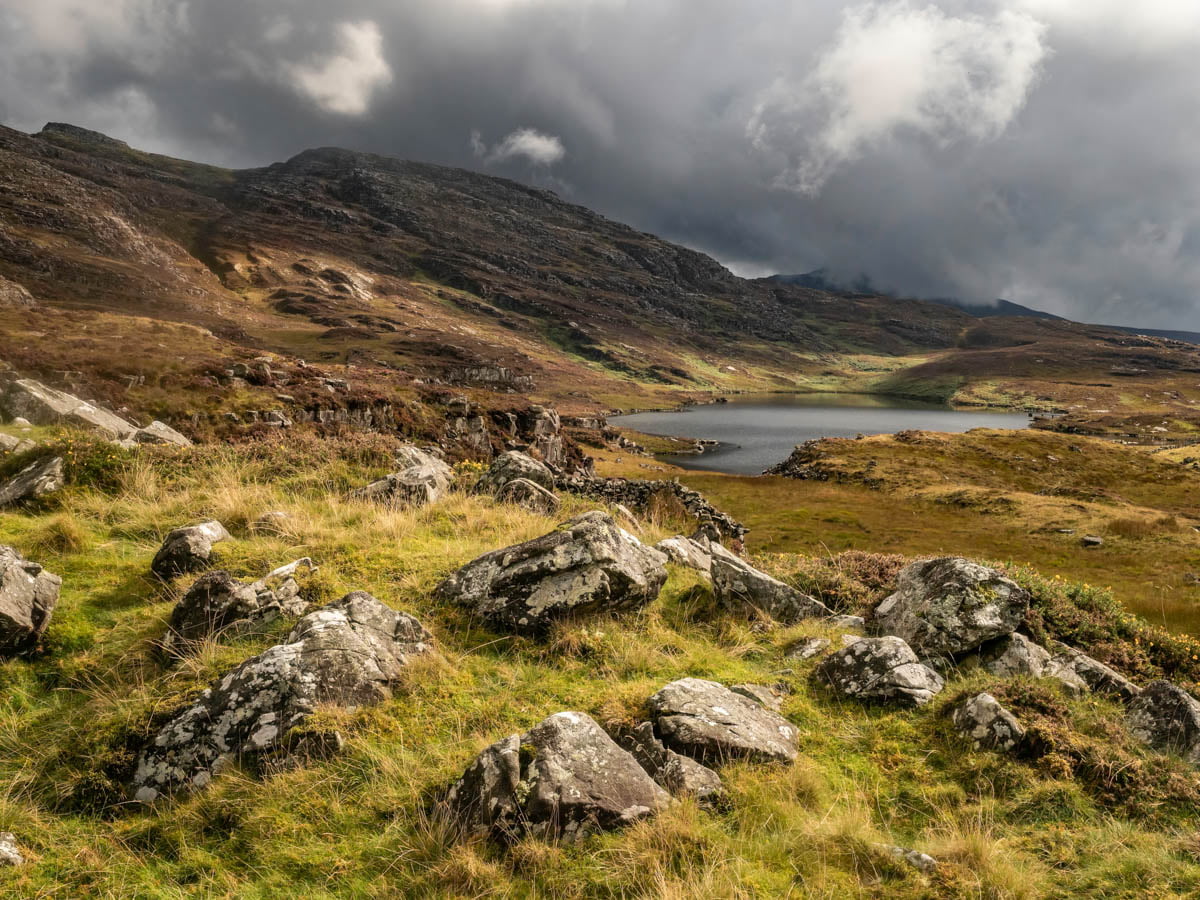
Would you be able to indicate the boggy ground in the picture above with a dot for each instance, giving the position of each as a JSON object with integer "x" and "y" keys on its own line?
{"x": 1096, "y": 816}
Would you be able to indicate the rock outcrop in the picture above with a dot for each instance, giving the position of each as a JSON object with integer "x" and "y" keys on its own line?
{"x": 880, "y": 669}
{"x": 42, "y": 405}
{"x": 528, "y": 495}
{"x": 564, "y": 778}
{"x": 1167, "y": 718}
{"x": 187, "y": 549}
{"x": 710, "y": 723}
{"x": 1014, "y": 655}
{"x": 587, "y": 565}
{"x": 160, "y": 433}
{"x": 512, "y": 466}
{"x": 45, "y": 476}
{"x": 349, "y": 653}
{"x": 944, "y": 607}
{"x": 987, "y": 724}
{"x": 28, "y": 595}
{"x": 744, "y": 590}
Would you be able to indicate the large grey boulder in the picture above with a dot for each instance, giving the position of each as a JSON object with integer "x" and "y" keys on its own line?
{"x": 563, "y": 779}
{"x": 35, "y": 480}
{"x": 987, "y": 724}
{"x": 947, "y": 606}
{"x": 680, "y": 775}
{"x": 407, "y": 456}
{"x": 1167, "y": 718}
{"x": 529, "y": 495}
{"x": 418, "y": 484}
{"x": 509, "y": 467}
{"x": 587, "y": 565}
{"x": 880, "y": 669}
{"x": 710, "y": 723}
{"x": 695, "y": 553}
{"x": 1093, "y": 673}
{"x": 187, "y": 549}
{"x": 42, "y": 405}
{"x": 744, "y": 590}
{"x": 349, "y": 653}
{"x": 218, "y": 604}
{"x": 1014, "y": 655}
{"x": 28, "y": 595}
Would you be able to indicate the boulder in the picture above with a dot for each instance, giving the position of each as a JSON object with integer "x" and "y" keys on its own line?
{"x": 217, "y": 604}
{"x": 988, "y": 724}
{"x": 743, "y": 589}
{"x": 1167, "y": 718}
{"x": 1013, "y": 655}
{"x": 587, "y": 565}
{"x": 272, "y": 522}
{"x": 42, "y": 405}
{"x": 685, "y": 551}
{"x": 349, "y": 653}
{"x": 407, "y": 456}
{"x": 15, "y": 296}
{"x": 187, "y": 549}
{"x": 880, "y": 669}
{"x": 416, "y": 485}
{"x": 710, "y": 723}
{"x": 922, "y": 862}
{"x": 805, "y": 648}
{"x": 509, "y": 467}
{"x": 160, "y": 433}
{"x": 680, "y": 775}
{"x": 947, "y": 606}
{"x": 28, "y": 595}
{"x": 564, "y": 778}
{"x": 35, "y": 480}
{"x": 1095, "y": 674}
{"x": 848, "y": 621}
{"x": 769, "y": 697}
{"x": 528, "y": 495}
{"x": 10, "y": 853}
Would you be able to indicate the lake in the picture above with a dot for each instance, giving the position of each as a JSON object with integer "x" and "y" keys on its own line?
{"x": 758, "y": 431}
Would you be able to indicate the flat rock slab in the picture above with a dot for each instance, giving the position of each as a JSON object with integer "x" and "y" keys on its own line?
{"x": 187, "y": 549}
{"x": 710, "y": 723}
{"x": 562, "y": 779}
{"x": 882, "y": 669}
{"x": 1167, "y": 718}
{"x": 28, "y": 595}
{"x": 588, "y": 565}
{"x": 349, "y": 653}
{"x": 35, "y": 480}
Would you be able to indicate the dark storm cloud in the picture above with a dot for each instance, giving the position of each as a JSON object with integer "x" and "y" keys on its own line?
{"x": 1040, "y": 150}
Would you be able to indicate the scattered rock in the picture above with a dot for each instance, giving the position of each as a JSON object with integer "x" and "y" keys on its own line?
{"x": 743, "y": 589}
{"x": 1167, "y": 718}
{"x": 419, "y": 484}
{"x": 587, "y": 565}
{"x": 947, "y": 606}
{"x": 564, "y": 778}
{"x": 805, "y": 648}
{"x": 160, "y": 433}
{"x": 509, "y": 467}
{"x": 988, "y": 724}
{"x": 348, "y": 653}
{"x": 407, "y": 456}
{"x": 1091, "y": 540}
{"x": 187, "y": 549}
{"x": 1095, "y": 674}
{"x": 1014, "y": 655}
{"x": 528, "y": 495}
{"x": 695, "y": 554}
{"x": 710, "y": 723}
{"x": 42, "y": 405}
{"x": 28, "y": 595}
{"x": 35, "y": 480}
{"x": 848, "y": 621}
{"x": 881, "y": 669}
{"x": 678, "y": 774}
{"x": 922, "y": 862}
{"x": 767, "y": 697}
{"x": 14, "y": 295}
{"x": 10, "y": 853}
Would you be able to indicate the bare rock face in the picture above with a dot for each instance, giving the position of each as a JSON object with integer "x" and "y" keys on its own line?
{"x": 680, "y": 775}
{"x": 348, "y": 653}
{"x": 685, "y": 551}
{"x": 528, "y": 495}
{"x": 43, "y": 405}
{"x": 187, "y": 549}
{"x": 710, "y": 723}
{"x": 883, "y": 670}
{"x": 509, "y": 467}
{"x": 743, "y": 589}
{"x": 1093, "y": 673}
{"x": 424, "y": 479}
{"x": 947, "y": 606}
{"x": 587, "y": 565}
{"x": 1167, "y": 718}
{"x": 28, "y": 595}
{"x": 988, "y": 724}
{"x": 35, "y": 480}
{"x": 217, "y": 604}
{"x": 564, "y": 778}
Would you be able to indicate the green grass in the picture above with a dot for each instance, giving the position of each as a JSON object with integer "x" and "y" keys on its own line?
{"x": 72, "y": 717}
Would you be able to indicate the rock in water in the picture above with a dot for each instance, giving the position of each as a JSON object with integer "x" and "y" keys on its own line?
{"x": 743, "y": 589}
{"x": 28, "y": 595}
{"x": 947, "y": 606}
{"x": 988, "y": 724}
{"x": 710, "y": 723}
{"x": 35, "y": 480}
{"x": 509, "y": 467}
{"x": 883, "y": 669}
{"x": 1167, "y": 718}
{"x": 564, "y": 778}
{"x": 681, "y": 775}
{"x": 187, "y": 549}
{"x": 348, "y": 653}
{"x": 528, "y": 495}
{"x": 588, "y": 565}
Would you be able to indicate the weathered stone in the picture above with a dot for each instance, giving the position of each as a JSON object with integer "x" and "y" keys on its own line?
{"x": 528, "y": 495}
{"x": 35, "y": 480}
{"x": 587, "y": 565}
{"x": 417, "y": 485}
{"x": 988, "y": 724}
{"x": 407, "y": 456}
{"x": 1167, "y": 718}
{"x": 187, "y": 549}
{"x": 273, "y": 522}
{"x": 44, "y": 405}
{"x": 15, "y": 296}
{"x": 922, "y": 862}
{"x": 1012, "y": 656}
{"x": 948, "y": 606}
{"x": 686, "y": 551}
{"x": 28, "y": 595}
{"x": 1095, "y": 674}
{"x": 848, "y": 621}
{"x": 564, "y": 778}
{"x": 881, "y": 669}
{"x": 160, "y": 433}
{"x": 710, "y": 723}
{"x": 805, "y": 648}
{"x": 765, "y": 696}
{"x": 743, "y": 589}
{"x": 678, "y": 774}
{"x": 10, "y": 852}
{"x": 349, "y": 653}
{"x": 509, "y": 467}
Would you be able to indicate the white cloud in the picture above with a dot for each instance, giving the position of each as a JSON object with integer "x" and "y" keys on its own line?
{"x": 345, "y": 81}
{"x": 534, "y": 146}
{"x": 1122, "y": 27}
{"x": 896, "y": 69}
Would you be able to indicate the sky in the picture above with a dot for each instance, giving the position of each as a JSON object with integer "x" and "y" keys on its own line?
{"x": 1043, "y": 151}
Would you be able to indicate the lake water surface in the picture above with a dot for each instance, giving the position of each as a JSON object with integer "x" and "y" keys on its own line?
{"x": 758, "y": 431}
